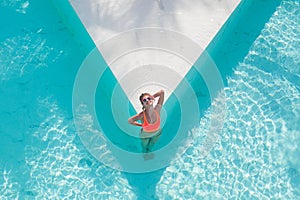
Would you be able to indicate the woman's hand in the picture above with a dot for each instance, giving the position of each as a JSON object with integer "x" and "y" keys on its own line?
{"x": 130, "y": 121}
{"x": 158, "y": 94}
{"x": 133, "y": 120}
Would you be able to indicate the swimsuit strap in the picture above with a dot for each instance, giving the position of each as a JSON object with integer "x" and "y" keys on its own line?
{"x": 145, "y": 118}
{"x": 151, "y": 127}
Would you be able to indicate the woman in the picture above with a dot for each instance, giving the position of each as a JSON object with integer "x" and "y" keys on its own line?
{"x": 150, "y": 118}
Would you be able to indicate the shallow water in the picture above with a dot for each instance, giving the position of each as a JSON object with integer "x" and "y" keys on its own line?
{"x": 256, "y": 155}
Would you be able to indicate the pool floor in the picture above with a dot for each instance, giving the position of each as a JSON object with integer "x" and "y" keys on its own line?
{"x": 255, "y": 156}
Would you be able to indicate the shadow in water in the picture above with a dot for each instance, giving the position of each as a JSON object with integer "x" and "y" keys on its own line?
{"x": 144, "y": 184}
{"x": 233, "y": 41}
{"x": 229, "y": 47}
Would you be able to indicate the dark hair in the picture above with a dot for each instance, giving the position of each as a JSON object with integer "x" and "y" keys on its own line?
{"x": 142, "y": 95}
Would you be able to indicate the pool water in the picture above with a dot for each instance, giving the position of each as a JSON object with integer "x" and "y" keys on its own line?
{"x": 256, "y": 156}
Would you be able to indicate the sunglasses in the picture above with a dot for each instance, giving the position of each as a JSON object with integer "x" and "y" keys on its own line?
{"x": 147, "y": 99}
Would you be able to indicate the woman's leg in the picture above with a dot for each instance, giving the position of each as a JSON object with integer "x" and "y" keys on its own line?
{"x": 153, "y": 140}
{"x": 145, "y": 144}
{"x": 148, "y": 142}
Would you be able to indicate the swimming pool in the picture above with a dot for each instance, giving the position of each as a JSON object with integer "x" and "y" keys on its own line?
{"x": 42, "y": 156}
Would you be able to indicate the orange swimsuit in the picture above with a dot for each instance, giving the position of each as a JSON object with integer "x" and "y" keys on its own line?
{"x": 151, "y": 127}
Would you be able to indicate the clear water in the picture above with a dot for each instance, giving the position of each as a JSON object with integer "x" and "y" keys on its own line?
{"x": 256, "y": 157}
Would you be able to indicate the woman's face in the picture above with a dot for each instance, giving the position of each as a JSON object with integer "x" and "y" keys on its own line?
{"x": 147, "y": 100}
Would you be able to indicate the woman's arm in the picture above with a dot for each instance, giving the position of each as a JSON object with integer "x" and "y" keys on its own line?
{"x": 133, "y": 120}
{"x": 161, "y": 95}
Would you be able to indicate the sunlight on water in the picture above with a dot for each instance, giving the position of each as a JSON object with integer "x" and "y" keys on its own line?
{"x": 33, "y": 52}
{"x": 257, "y": 154}
{"x": 9, "y": 188}
{"x": 59, "y": 168}
{"x": 20, "y": 6}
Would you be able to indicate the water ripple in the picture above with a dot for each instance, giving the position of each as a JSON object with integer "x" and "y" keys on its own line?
{"x": 256, "y": 156}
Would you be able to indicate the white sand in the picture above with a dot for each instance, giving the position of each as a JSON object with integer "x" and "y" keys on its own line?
{"x": 151, "y": 44}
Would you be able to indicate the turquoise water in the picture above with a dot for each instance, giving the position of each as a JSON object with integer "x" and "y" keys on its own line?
{"x": 256, "y": 156}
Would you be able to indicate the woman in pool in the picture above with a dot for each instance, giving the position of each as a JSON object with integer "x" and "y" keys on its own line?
{"x": 150, "y": 118}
